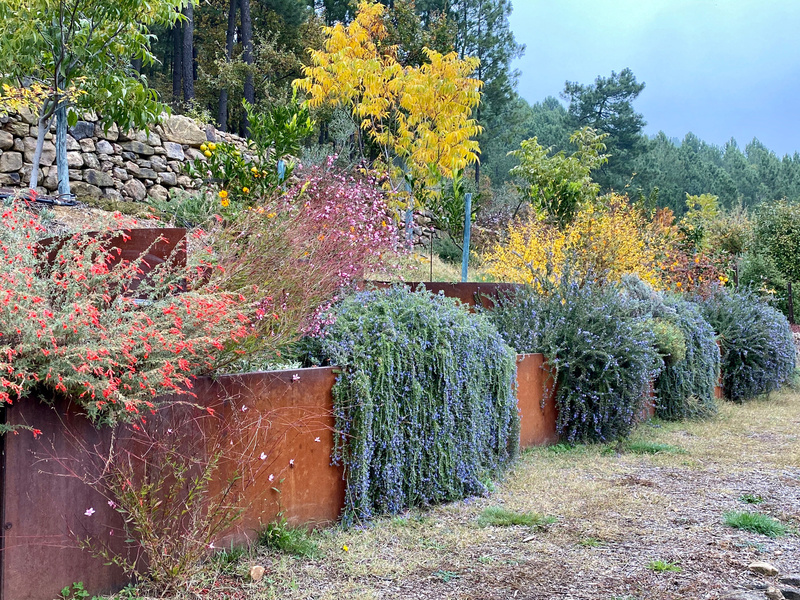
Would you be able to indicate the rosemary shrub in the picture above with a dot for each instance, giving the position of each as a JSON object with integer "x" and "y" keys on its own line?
{"x": 758, "y": 354}
{"x": 604, "y": 356}
{"x": 425, "y": 404}
{"x": 684, "y": 388}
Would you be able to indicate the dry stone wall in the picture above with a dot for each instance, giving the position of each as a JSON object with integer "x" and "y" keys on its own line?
{"x": 107, "y": 164}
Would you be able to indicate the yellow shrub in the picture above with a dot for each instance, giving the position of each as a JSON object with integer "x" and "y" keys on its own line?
{"x": 606, "y": 240}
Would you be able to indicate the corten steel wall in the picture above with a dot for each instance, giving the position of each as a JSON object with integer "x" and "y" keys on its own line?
{"x": 44, "y": 507}
{"x": 536, "y": 401}
{"x": 470, "y": 293}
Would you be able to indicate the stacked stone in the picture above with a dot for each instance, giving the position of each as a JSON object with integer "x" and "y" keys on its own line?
{"x": 107, "y": 163}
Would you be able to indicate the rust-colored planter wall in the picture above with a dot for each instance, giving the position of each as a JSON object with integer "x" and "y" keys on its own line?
{"x": 470, "y": 293}
{"x": 536, "y": 402}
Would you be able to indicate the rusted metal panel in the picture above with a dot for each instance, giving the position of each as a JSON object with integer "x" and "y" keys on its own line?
{"x": 470, "y": 293}
{"x": 536, "y": 401}
{"x": 288, "y": 417}
{"x": 648, "y": 409}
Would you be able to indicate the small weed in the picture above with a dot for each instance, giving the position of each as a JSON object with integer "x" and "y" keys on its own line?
{"x": 751, "y": 499}
{"x": 280, "y": 536}
{"x": 755, "y": 522}
{"x": 647, "y": 447}
{"x": 495, "y": 516}
{"x": 487, "y": 560}
{"x": 590, "y": 542}
{"x": 76, "y": 592}
{"x": 226, "y": 560}
{"x": 754, "y": 545}
{"x": 446, "y": 576}
{"x": 662, "y": 566}
{"x": 563, "y": 448}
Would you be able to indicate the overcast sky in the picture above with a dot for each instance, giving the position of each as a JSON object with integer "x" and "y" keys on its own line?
{"x": 717, "y": 68}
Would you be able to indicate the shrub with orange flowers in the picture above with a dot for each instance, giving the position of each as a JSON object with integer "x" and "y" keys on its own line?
{"x": 84, "y": 324}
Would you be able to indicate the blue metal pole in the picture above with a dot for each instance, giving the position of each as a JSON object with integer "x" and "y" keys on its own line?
{"x": 467, "y": 226}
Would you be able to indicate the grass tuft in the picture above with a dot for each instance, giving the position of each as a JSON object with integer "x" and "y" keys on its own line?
{"x": 755, "y": 522}
{"x": 751, "y": 499}
{"x": 279, "y": 535}
{"x": 495, "y": 516}
{"x": 227, "y": 559}
{"x": 663, "y": 566}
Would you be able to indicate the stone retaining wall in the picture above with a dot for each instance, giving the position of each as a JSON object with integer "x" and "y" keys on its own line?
{"x": 109, "y": 164}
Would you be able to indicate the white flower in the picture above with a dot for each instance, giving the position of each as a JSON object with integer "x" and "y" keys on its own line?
{"x": 317, "y": 440}
{"x": 291, "y": 463}
{"x": 244, "y": 408}
{"x": 89, "y": 512}
{"x": 271, "y": 478}
{"x": 263, "y": 456}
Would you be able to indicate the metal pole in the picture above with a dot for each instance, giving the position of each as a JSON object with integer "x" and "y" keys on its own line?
{"x": 467, "y": 225}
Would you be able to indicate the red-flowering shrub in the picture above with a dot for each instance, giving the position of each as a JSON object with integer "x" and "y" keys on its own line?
{"x": 73, "y": 324}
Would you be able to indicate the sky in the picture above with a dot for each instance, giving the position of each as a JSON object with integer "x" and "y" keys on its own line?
{"x": 717, "y": 68}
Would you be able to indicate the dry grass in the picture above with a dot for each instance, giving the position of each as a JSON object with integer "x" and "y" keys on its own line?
{"x": 617, "y": 513}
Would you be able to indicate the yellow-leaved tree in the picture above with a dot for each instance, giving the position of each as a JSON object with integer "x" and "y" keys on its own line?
{"x": 419, "y": 115}
{"x": 606, "y": 240}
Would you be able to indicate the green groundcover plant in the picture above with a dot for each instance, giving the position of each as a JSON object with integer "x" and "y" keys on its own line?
{"x": 425, "y": 404}
{"x": 684, "y": 387}
{"x": 603, "y": 354}
{"x": 758, "y": 353}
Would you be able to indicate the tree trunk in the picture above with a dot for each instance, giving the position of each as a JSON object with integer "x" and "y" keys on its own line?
{"x": 791, "y": 302}
{"x": 136, "y": 64}
{"x": 177, "y": 62}
{"x": 44, "y": 124}
{"x": 188, "y": 54}
{"x": 247, "y": 56}
{"x": 61, "y": 150}
{"x": 222, "y": 113}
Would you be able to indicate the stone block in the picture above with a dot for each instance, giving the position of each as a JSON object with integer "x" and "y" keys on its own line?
{"x": 82, "y": 130}
{"x": 74, "y": 159}
{"x": 98, "y": 178}
{"x": 82, "y": 189}
{"x": 181, "y": 130}
{"x": 10, "y": 161}
{"x": 167, "y": 178}
{"x": 158, "y": 192}
{"x": 6, "y": 140}
{"x": 87, "y": 145}
{"x": 138, "y": 148}
{"x": 18, "y": 128}
{"x": 104, "y": 147}
{"x": 134, "y": 189}
{"x": 90, "y": 160}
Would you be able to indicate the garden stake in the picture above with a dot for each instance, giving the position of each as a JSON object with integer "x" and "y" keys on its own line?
{"x": 467, "y": 223}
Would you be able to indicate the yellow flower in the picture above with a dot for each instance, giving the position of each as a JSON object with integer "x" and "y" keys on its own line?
{"x": 207, "y": 154}
{"x": 246, "y": 190}
{"x": 225, "y": 202}
{"x": 223, "y": 194}
{"x": 264, "y": 173}
{"x": 254, "y": 170}
{"x": 345, "y": 548}
{"x": 271, "y": 215}
{"x": 203, "y": 147}
{"x": 212, "y": 146}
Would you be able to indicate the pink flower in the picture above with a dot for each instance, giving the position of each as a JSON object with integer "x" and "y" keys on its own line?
{"x": 112, "y": 504}
{"x": 89, "y": 512}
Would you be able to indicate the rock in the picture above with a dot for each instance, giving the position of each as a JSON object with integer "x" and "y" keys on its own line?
{"x": 18, "y": 128}
{"x": 184, "y": 181}
{"x": 7, "y": 141}
{"x": 147, "y": 137}
{"x": 773, "y": 593}
{"x": 75, "y": 175}
{"x": 104, "y": 147}
{"x": 48, "y": 151}
{"x": 9, "y": 179}
{"x": 112, "y": 194}
{"x": 26, "y": 171}
{"x": 74, "y": 160}
{"x": 158, "y": 163}
{"x": 147, "y": 174}
{"x": 159, "y": 192}
{"x": 763, "y": 567}
{"x": 10, "y": 161}
{"x": 120, "y": 174}
{"x": 19, "y": 146}
{"x": 117, "y": 160}
{"x": 792, "y": 579}
{"x": 72, "y": 143}
{"x": 132, "y": 167}
{"x": 129, "y": 155}
{"x": 51, "y": 181}
{"x": 144, "y": 164}
{"x": 174, "y": 151}
{"x": 743, "y": 595}
{"x": 791, "y": 593}
{"x": 138, "y": 148}
{"x": 84, "y": 190}
{"x": 112, "y": 134}
{"x": 28, "y": 116}
{"x": 98, "y": 178}
{"x": 193, "y": 154}
{"x": 257, "y": 572}
{"x": 82, "y": 130}
{"x": 211, "y": 133}
{"x": 182, "y": 130}
{"x": 87, "y": 145}
{"x": 90, "y": 160}
{"x": 135, "y": 189}
{"x": 167, "y": 178}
